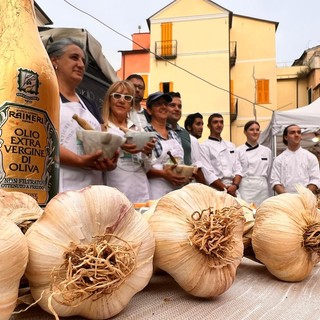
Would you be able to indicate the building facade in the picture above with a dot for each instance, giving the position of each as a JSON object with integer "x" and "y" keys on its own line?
{"x": 218, "y": 61}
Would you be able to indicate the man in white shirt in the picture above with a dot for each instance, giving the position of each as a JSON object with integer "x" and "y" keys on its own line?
{"x": 295, "y": 165}
{"x": 222, "y": 167}
{"x": 137, "y": 114}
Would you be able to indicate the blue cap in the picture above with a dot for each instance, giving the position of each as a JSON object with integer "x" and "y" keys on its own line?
{"x": 157, "y": 95}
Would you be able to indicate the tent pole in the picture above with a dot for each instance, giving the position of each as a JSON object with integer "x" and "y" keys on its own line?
{"x": 274, "y": 147}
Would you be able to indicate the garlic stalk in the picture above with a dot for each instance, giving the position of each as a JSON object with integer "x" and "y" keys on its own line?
{"x": 198, "y": 233}
{"x": 248, "y": 210}
{"x": 90, "y": 252}
{"x": 14, "y": 258}
{"x": 286, "y": 234}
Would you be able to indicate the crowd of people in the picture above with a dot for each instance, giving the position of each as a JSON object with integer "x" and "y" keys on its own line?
{"x": 247, "y": 171}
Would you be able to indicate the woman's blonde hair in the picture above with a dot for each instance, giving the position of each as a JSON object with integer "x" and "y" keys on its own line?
{"x": 117, "y": 86}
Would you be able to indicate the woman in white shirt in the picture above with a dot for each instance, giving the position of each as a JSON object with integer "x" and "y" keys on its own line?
{"x": 256, "y": 162}
{"x": 130, "y": 176}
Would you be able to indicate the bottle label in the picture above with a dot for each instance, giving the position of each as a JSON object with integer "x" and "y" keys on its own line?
{"x": 29, "y": 152}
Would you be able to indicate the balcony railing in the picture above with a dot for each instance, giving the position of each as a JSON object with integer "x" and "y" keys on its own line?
{"x": 166, "y": 49}
{"x": 233, "y": 53}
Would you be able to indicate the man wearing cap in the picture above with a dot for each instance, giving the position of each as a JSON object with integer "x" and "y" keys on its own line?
{"x": 161, "y": 177}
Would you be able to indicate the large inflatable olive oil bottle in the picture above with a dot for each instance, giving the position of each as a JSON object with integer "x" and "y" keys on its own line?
{"x": 29, "y": 106}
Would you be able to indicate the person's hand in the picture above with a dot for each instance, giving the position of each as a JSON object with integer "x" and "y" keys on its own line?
{"x": 148, "y": 147}
{"x": 172, "y": 177}
{"x": 95, "y": 162}
{"x": 110, "y": 164}
{"x": 130, "y": 148}
{"x": 232, "y": 189}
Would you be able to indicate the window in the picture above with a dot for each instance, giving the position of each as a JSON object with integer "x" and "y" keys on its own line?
{"x": 166, "y": 86}
{"x": 262, "y": 87}
{"x": 166, "y": 39}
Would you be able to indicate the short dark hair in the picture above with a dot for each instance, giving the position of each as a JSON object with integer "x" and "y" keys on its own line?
{"x": 136, "y": 76}
{"x": 285, "y": 133}
{"x": 190, "y": 119}
{"x": 214, "y": 115}
{"x": 249, "y": 124}
{"x": 174, "y": 94}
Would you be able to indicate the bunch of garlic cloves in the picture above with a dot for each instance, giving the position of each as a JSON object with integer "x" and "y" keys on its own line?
{"x": 198, "y": 233}
{"x": 90, "y": 252}
{"x": 14, "y": 258}
{"x": 20, "y": 208}
{"x": 286, "y": 234}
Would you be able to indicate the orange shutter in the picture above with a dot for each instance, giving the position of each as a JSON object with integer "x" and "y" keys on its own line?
{"x": 166, "y": 39}
{"x": 146, "y": 82}
{"x": 263, "y": 91}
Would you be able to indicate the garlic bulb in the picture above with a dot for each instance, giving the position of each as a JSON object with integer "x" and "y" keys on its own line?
{"x": 90, "y": 252}
{"x": 198, "y": 233}
{"x": 14, "y": 258}
{"x": 20, "y": 208}
{"x": 286, "y": 234}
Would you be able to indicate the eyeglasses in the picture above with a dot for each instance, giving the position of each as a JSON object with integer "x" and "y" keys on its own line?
{"x": 138, "y": 86}
{"x": 125, "y": 97}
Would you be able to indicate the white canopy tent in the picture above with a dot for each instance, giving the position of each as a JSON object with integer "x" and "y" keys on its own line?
{"x": 308, "y": 118}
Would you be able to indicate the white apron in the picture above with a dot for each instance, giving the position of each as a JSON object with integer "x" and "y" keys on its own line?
{"x": 129, "y": 176}
{"x": 254, "y": 189}
{"x": 159, "y": 186}
{"x": 72, "y": 178}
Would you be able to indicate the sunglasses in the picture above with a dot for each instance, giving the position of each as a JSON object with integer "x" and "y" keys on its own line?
{"x": 125, "y": 97}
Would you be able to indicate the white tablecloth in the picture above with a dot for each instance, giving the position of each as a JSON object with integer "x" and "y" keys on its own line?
{"x": 255, "y": 294}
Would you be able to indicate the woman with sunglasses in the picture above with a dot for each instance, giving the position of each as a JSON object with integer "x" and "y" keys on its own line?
{"x": 130, "y": 176}
{"x": 76, "y": 169}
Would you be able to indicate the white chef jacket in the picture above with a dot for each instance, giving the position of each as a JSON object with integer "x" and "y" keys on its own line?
{"x": 130, "y": 175}
{"x": 295, "y": 167}
{"x": 219, "y": 160}
{"x": 256, "y": 163}
{"x": 195, "y": 152}
{"x": 72, "y": 178}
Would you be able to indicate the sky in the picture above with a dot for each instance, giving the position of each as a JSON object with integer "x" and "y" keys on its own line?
{"x": 298, "y": 30}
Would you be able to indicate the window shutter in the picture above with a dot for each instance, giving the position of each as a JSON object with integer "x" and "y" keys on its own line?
{"x": 166, "y": 39}
{"x": 263, "y": 95}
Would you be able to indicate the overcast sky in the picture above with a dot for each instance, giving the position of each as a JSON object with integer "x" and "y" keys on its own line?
{"x": 298, "y": 30}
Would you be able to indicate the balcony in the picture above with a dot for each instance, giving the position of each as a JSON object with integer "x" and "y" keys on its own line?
{"x": 233, "y": 53}
{"x": 166, "y": 49}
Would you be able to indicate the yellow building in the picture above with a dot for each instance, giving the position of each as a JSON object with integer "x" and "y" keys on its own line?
{"x": 218, "y": 61}
{"x": 306, "y": 74}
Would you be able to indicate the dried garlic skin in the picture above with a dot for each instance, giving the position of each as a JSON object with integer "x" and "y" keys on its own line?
{"x": 286, "y": 234}
{"x": 19, "y": 207}
{"x": 199, "y": 255}
{"x": 75, "y": 224}
{"x": 14, "y": 258}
